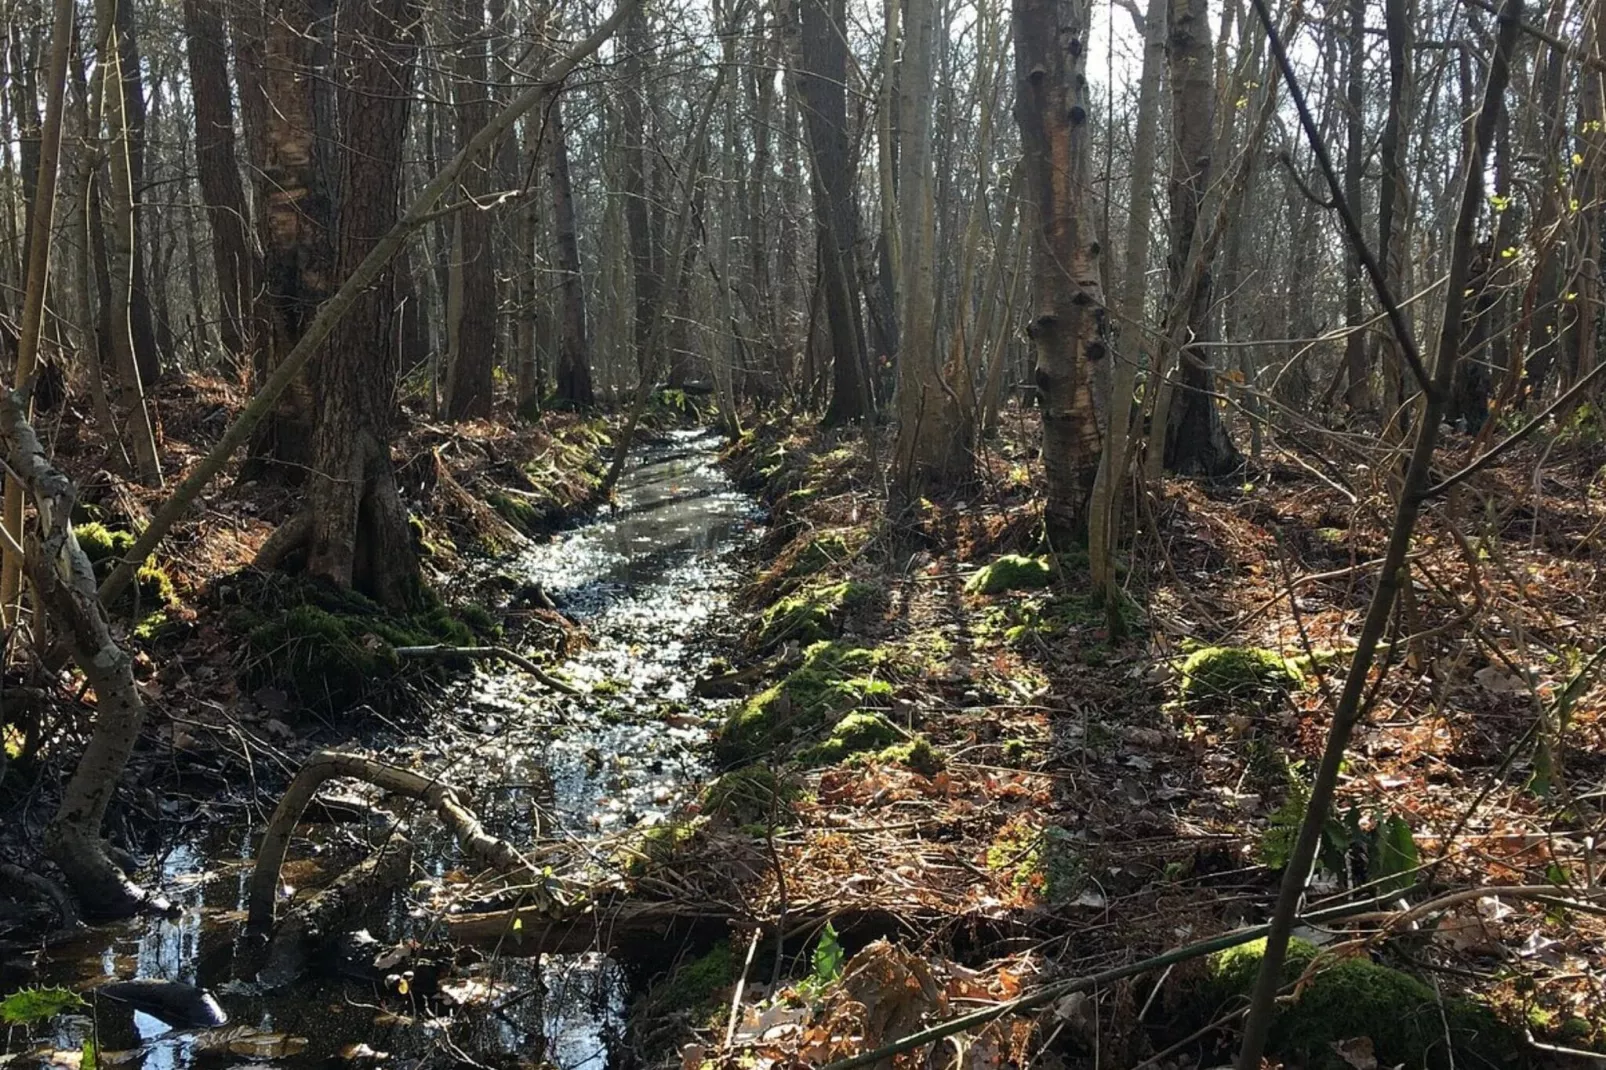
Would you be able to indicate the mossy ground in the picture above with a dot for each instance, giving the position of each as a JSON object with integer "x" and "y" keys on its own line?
{"x": 334, "y": 649}
{"x": 1012, "y": 572}
{"x": 816, "y": 612}
{"x": 1408, "y": 1022}
{"x": 694, "y": 990}
{"x": 105, "y": 547}
{"x": 833, "y": 678}
{"x": 1041, "y": 861}
{"x": 1237, "y": 672}
{"x": 751, "y": 795}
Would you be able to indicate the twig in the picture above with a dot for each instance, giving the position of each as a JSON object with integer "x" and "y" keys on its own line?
{"x": 741, "y": 985}
{"x": 1051, "y": 993}
{"x": 441, "y": 650}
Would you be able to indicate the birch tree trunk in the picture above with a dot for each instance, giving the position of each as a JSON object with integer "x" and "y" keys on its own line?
{"x": 1066, "y": 326}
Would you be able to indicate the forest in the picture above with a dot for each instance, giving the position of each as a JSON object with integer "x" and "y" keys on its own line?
{"x": 793, "y": 533}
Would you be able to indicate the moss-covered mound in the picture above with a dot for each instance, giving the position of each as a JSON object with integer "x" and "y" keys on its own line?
{"x": 106, "y": 547}
{"x": 1238, "y": 672}
{"x": 661, "y": 845}
{"x": 833, "y": 678}
{"x": 1012, "y": 572}
{"x": 751, "y": 795}
{"x": 333, "y": 649}
{"x": 1407, "y": 1021}
{"x": 814, "y": 613}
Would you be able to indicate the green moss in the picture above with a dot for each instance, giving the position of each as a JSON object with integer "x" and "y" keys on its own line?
{"x": 751, "y": 795}
{"x": 523, "y": 514}
{"x": 696, "y": 988}
{"x": 1237, "y": 671}
{"x": 1012, "y": 572}
{"x": 106, "y": 547}
{"x": 1042, "y": 860}
{"x": 660, "y": 846}
{"x": 833, "y": 678}
{"x": 1406, "y": 1019}
{"x": 820, "y": 553}
{"x": 814, "y": 613}
{"x": 919, "y": 754}
{"x": 334, "y": 649}
{"x": 857, "y": 733}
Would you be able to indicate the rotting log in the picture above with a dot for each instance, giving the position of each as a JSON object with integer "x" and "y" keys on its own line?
{"x": 330, "y": 910}
{"x": 323, "y": 766}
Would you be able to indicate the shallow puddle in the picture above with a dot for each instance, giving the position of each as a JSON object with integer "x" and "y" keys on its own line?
{"x": 651, "y": 581}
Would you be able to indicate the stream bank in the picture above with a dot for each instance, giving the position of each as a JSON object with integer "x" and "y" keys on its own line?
{"x": 649, "y": 580}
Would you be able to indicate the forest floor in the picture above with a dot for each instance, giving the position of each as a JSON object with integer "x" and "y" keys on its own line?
{"x": 947, "y": 780}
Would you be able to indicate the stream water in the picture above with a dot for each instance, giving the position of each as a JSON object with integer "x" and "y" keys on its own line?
{"x": 651, "y": 581}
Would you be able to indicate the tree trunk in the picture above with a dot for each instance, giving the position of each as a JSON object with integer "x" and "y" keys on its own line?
{"x": 218, "y": 171}
{"x": 1105, "y": 526}
{"x": 123, "y": 245}
{"x": 932, "y": 447}
{"x": 1067, "y": 323}
{"x": 640, "y": 210}
{"x": 1196, "y": 440}
{"x": 574, "y": 348}
{"x": 360, "y": 537}
{"x": 296, "y": 217}
{"x": 820, "y": 61}
{"x": 142, "y": 325}
{"x": 1358, "y": 395}
{"x": 472, "y": 352}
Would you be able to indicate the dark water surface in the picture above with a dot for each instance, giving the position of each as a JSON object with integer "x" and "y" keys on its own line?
{"x": 651, "y": 580}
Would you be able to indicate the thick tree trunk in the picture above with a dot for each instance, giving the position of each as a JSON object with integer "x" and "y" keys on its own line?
{"x": 1067, "y": 322}
{"x": 821, "y": 62}
{"x": 217, "y": 169}
{"x": 574, "y": 347}
{"x": 640, "y": 209}
{"x": 296, "y": 219}
{"x": 1196, "y": 440}
{"x": 359, "y": 533}
{"x": 472, "y": 352}
{"x": 932, "y": 446}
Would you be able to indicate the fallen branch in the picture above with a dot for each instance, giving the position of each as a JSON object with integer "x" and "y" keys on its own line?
{"x": 1052, "y": 993}
{"x": 441, "y": 650}
{"x": 489, "y": 850}
{"x": 43, "y": 888}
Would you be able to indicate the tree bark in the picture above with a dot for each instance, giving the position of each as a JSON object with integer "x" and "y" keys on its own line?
{"x": 932, "y": 447}
{"x": 296, "y": 218}
{"x": 574, "y": 347}
{"x": 142, "y": 325}
{"x": 1067, "y": 323}
{"x": 1196, "y": 439}
{"x": 218, "y": 171}
{"x": 820, "y": 61}
{"x": 472, "y": 352}
{"x": 359, "y": 533}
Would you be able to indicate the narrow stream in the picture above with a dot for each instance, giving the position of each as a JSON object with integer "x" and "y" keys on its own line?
{"x": 651, "y": 581}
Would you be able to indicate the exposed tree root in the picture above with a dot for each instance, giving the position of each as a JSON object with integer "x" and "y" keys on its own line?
{"x": 329, "y": 911}
{"x": 489, "y": 850}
